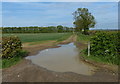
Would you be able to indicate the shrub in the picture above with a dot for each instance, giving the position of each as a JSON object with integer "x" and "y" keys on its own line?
{"x": 105, "y": 45}
{"x": 11, "y": 46}
{"x": 14, "y": 60}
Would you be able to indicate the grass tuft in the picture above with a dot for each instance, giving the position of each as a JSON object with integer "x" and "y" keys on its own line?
{"x": 5, "y": 63}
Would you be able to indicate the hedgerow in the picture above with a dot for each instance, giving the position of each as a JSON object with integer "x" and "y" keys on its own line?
{"x": 11, "y": 46}
{"x": 11, "y": 51}
{"x": 105, "y": 45}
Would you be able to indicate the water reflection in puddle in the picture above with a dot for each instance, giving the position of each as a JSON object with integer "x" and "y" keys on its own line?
{"x": 62, "y": 59}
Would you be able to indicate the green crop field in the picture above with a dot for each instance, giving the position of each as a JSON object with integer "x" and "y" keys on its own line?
{"x": 40, "y": 36}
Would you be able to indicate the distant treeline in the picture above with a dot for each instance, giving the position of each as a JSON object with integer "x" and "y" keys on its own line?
{"x": 36, "y": 29}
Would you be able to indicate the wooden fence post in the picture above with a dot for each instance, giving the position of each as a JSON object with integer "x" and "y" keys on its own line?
{"x": 89, "y": 48}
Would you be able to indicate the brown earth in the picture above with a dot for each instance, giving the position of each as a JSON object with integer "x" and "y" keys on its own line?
{"x": 25, "y": 71}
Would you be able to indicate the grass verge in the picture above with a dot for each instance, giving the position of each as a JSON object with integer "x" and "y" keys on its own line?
{"x": 99, "y": 62}
{"x": 93, "y": 58}
{"x": 83, "y": 38}
{"x": 5, "y": 63}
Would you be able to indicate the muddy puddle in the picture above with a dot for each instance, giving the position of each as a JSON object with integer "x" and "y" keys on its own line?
{"x": 62, "y": 59}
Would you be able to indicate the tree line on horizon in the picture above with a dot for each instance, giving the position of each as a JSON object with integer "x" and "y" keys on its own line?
{"x": 36, "y": 29}
{"x": 83, "y": 20}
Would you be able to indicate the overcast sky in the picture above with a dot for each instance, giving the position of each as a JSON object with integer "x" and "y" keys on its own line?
{"x": 57, "y": 13}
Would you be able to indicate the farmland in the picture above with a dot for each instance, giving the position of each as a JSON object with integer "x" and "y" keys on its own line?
{"x": 44, "y": 41}
{"x": 77, "y": 43}
{"x": 40, "y": 36}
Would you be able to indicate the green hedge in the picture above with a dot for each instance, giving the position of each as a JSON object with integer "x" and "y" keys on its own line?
{"x": 10, "y": 46}
{"x": 105, "y": 45}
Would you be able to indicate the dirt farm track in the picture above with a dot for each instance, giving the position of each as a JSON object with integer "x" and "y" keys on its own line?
{"x": 26, "y": 71}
